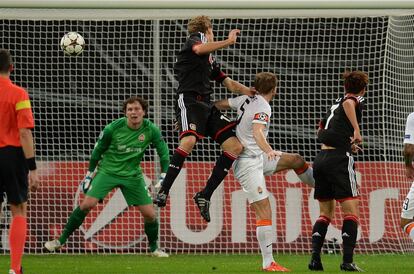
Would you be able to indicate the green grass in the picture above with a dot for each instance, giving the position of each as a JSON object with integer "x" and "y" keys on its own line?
{"x": 180, "y": 264}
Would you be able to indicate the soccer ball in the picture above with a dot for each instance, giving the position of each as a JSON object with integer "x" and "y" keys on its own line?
{"x": 72, "y": 43}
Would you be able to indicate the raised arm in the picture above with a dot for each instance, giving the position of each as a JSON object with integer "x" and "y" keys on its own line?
{"x": 237, "y": 87}
{"x": 207, "y": 48}
{"x": 222, "y": 78}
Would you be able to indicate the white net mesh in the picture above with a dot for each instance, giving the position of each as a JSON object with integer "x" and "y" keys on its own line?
{"x": 75, "y": 97}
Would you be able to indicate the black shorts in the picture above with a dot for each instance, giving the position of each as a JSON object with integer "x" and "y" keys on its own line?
{"x": 334, "y": 173}
{"x": 13, "y": 174}
{"x": 197, "y": 116}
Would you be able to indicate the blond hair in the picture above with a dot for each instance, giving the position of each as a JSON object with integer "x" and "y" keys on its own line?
{"x": 199, "y": 23}
{"x": 265, "y": 82}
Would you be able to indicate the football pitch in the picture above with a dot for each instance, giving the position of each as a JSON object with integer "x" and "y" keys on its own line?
{"x": 119, "y": 264}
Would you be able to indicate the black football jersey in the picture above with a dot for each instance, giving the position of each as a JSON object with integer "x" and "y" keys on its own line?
{"x": 335, "y": 127}
{"x": 193, "y": 71}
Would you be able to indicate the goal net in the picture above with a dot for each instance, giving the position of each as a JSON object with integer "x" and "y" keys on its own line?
{"x": 75, "y": 97}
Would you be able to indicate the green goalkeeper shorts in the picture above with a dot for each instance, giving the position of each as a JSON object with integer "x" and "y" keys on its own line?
{"x": 135, "y": 191}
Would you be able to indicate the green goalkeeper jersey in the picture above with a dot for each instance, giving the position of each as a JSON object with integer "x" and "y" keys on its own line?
{"x": 119, "y": 149}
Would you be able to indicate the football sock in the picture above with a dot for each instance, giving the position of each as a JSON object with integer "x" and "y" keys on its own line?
{"x": 17, "y": 239}
{"x": 305, "y": 174}
{"x": 74, "y": 222}
{"x": 318, "y": 236}
{"x": 151, "y": 229}
{"x": 349, "y": 235}
{"x": 220, "y": 170}
{"x": 409, "y": 229}
{"x": 264, "y": 236}
{"x": 176, "y": 163}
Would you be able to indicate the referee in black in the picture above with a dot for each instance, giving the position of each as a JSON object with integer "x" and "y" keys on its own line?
{"x": 334, "y": 169}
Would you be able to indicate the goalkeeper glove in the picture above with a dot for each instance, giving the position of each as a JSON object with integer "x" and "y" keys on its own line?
{"x": 86, "y": 182}
{"x": 160, "y": 180}
{"x": 216, "y": 73}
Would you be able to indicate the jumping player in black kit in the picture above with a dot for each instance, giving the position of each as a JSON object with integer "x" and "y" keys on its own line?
{"x": 195, "y": 112}
{"x": 334, "y": 170}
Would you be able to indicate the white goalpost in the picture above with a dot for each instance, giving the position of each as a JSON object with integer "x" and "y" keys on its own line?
{"x": 130, "y": 50}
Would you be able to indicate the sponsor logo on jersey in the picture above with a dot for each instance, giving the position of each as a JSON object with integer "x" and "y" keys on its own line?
{"x": 124, "y": 148}
{"x": 261, "y": 117}
{"x": 407, "y": 136}
{"x": 193, "y": 126}
{"x": 141, "y": 137}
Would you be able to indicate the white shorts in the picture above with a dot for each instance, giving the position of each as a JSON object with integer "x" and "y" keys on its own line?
{"x": 408, "y": 205}
{"x": 249, "y": 173}
{"x": 269, "y": 166}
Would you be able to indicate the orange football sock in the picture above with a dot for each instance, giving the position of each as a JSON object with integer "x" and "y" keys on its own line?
{"x": 17, "y": 239}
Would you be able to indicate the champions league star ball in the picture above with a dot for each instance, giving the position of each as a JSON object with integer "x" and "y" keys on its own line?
{"x": 72, "y": 43}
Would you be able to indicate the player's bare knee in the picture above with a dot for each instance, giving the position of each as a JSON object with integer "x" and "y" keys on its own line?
{"x": 298, "y": 161}
{"x": 405, "y": 222}
{"x": 148, "y": 212}
{"x": 149, "y": 216}
{"x": 262, "y": 209}
{"x": 187, "y": 143}
{"x": 88, "y": 204}
{"x": 327, "y": 208}
{"x": 86, "y": 207}
{"x": 327, "y": 213}
{"x": 18, "y": 209}
{"x": 233, "y": 146}
{"x": 238, "y": 148}
{"x": 350, "y": 209}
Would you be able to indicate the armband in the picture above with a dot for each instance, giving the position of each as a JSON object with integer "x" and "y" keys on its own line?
{"x": 31, "y": 163}
{"x": 216, "y": 73}
{"x": 220, "y": 77}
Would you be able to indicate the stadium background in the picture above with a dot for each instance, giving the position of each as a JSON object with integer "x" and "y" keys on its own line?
{"x": 75, "y": 97}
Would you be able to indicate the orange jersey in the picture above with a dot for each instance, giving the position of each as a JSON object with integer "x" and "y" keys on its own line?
{"x": 15, "y": 113}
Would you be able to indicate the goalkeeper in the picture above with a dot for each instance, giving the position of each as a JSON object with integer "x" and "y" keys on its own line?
{"x": 116, "y": 161}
